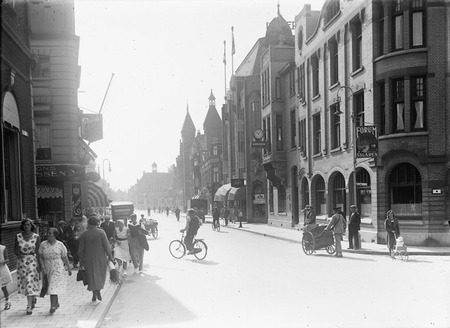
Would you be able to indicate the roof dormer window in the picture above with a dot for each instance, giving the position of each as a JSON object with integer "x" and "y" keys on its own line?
{"x": 331, "y": 11}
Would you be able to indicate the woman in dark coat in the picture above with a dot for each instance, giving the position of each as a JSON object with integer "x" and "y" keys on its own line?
{"x": 94, "y": 252}
{"x": 392, "y": 229}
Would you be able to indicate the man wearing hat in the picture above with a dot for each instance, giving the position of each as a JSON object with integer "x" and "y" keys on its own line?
{"x": 353, "y": 228}
{"x": 311, "y": 215}
{"x": 61, "y": 236}
{"x": 337, "y": 225}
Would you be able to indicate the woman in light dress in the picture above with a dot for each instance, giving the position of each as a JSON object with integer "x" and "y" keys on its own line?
{"x": 52, "y": 258}
{"x": 5, "y": 275}
{"x": 121, "y": 249}
{"x": 26, "y": 247}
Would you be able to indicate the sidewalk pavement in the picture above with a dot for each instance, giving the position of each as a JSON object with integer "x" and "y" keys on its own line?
{"x": 76, "y": 308}
{"x": 294, "y": 235}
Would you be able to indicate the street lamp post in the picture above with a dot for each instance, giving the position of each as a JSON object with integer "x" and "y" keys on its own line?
{"x": 353, "y": 119}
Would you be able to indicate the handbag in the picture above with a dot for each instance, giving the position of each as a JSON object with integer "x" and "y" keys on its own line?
{"x": 44, "y": 288}
{"x": 81, "y": 276}
{"x": 143, "y": 242}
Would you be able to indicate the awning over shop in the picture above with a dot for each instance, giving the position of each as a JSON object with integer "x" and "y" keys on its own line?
{"x": 221, "y": 193}
{"x": 236, "y": 193}
{"x": 96, "y": 196}
{"x": 49, "y": 192}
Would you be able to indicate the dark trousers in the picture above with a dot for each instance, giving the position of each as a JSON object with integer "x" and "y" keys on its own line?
{"x": 73, "y": 248}
{"x": 353, "y": 238}
{"x": 189, "y": 238}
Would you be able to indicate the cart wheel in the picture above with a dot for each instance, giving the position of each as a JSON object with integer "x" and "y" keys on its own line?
{"x": 330, "y": 249}
{"x": 155, "y": 233}
{"x": 308, "y": 243}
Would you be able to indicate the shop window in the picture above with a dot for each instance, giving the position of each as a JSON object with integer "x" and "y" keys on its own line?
{"x": 363, "y": 192}
{"x": 281, "y": 200}
{"x": 339, "y": 191}
{"x": 321, "y": 203}
{"x": 405, "y": 189}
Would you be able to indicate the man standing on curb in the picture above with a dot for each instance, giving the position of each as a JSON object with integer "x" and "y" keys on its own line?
{"x": 353, "y": 228}
{"x": 337, "y": 225}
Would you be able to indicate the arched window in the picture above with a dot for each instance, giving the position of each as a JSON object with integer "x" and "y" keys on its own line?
{"x": 321, "y": 203}
{"x": 305, "y": 193}
{"x": 405, "y": 190}
{"x": 339, "y": 192}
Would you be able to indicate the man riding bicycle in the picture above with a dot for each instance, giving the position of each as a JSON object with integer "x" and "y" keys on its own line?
{"x": 193, "y": 223}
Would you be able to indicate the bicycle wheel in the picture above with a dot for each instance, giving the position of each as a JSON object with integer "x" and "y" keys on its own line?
{"x": 213, "y": 226}
{"x": 330, "y": 249}
{"x": 155, "y": 233}
{"x": 201, "y": 245}
{"x": 177, "y": 249}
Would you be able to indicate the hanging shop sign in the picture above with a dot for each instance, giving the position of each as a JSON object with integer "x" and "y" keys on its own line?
{"x": 76, "y": 200}
{"x": 259, "y": 199}
{"x": 366, "y": 141}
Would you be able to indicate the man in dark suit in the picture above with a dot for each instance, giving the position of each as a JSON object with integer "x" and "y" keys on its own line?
{"x": 71, "y": 232}
{"x": 61, "y": 233}
{"x": 108, "y": 227}
{"x": 353, "y": 228}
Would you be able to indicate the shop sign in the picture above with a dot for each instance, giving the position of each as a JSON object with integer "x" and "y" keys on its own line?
{"x": 59, "y": 171}
{"x": 259, "y": 199}
{"x": 366, "y": 141}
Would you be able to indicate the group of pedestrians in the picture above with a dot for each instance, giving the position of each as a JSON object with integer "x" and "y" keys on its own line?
{"x": 232, "y": 215}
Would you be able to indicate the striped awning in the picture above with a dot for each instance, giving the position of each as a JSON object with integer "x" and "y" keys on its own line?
{"x": 44, "y": 191}
{"x": 237, "y": 193}
{"x": 96, "y": 196}
{"x": 221, "y": 193}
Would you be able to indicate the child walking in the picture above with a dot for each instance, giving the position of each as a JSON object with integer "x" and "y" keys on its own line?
{"x": 5, "y": 275}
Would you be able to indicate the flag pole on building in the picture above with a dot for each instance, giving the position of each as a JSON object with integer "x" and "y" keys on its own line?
{"x": 225, "y": 66}
{"x": 233, "y": 50}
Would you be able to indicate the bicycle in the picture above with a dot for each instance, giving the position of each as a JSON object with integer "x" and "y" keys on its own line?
{"x": 177, "y": 248}
{"x": 215, "y": 225}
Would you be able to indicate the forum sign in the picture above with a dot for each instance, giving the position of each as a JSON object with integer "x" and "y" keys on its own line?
{"x": 366, "y": 141}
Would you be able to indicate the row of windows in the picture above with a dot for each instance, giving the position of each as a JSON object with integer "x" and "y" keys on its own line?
{"x": 396, "y": 14}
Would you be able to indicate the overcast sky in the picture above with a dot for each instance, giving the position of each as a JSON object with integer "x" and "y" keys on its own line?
{"x": 165, "y": 55}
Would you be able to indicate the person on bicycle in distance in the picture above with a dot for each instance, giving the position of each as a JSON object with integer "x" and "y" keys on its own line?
{"x": 216, "y": 216}
{"x": 192, "y": 225}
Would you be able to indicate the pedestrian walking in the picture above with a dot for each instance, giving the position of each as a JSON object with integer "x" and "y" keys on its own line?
{"x": 72, "y": 233}
{"x": 52, "y": 258}
{"x": 137, "y": 232}
{"x": 216, "y": 216}
{"x": 392, "y": 230}
{"x": 337, "y": 225}
{"x": 353, "y": 228}
{"x": 240, "y": 217}
{"x": 122, "y": 250}
{"x": 61, "y": 235}
{"x": 177, "y": 213}
{"x": 94, "y": 252}
{"x": 5, "y": 275}
{"x": 226, "y": 215}
{"x": 26, "y": 247}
